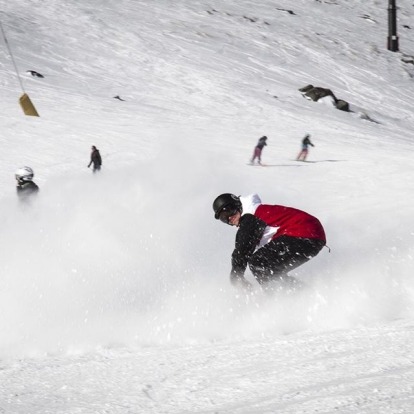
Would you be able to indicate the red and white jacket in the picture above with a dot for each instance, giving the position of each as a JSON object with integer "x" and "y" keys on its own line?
{"x": 282, "y": 221}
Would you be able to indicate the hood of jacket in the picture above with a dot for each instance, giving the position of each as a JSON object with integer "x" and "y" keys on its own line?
{"x": 250, "y": 203}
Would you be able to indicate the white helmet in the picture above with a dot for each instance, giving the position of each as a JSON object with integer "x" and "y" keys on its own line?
{"x": 24, "y": 174}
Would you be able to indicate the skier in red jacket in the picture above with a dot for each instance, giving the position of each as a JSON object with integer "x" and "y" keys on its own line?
{"x": 271, "y": 239}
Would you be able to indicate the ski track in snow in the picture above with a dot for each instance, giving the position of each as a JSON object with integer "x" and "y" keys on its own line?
{"x": 115, "y": 295}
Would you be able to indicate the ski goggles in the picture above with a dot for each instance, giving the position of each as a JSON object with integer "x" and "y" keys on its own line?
{"x": 226, "y": 213}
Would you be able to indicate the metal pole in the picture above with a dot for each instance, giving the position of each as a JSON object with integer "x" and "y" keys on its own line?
{"x": 392, "y": 26}
{"x": 11, "y": 55}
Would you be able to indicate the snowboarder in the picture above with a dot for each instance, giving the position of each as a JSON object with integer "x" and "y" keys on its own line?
{"x": 25, "y": 187}
{"x": 271, "y": 239}
{"x": 257, "y": 153}
{"x": 96, "y": 159}
{"x": 304, "y": 152}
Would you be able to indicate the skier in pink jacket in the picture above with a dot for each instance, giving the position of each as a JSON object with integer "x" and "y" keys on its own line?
{"x": 271, "y": 239}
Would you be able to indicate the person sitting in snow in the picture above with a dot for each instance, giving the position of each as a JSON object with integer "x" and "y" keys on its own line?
{"x": 271, "y": 239}
{"x": 257, "y": 153}
{"x": 25, "y": 187}
{"x": 96, "y": 159}
{"x": 304, "y": 152}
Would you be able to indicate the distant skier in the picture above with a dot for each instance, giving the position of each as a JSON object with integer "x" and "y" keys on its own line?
{"x": 271, "y": 239}
{"x": 96, "y": 159}
{"x": 25, "y": 187}
{"x": 304, "y": 152}
{"x": 257, "y": 153}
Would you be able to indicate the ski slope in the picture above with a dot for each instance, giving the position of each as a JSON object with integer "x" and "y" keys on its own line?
{"x": 115, "y": 287}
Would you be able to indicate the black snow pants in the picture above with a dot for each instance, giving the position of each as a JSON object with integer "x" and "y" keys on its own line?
{"x": 283, "y": 254}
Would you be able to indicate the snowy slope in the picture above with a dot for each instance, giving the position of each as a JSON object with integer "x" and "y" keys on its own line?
{"x": 115, "y": 295}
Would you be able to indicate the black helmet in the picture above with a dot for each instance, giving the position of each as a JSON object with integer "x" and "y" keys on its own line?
{"x": 226, "y": 201}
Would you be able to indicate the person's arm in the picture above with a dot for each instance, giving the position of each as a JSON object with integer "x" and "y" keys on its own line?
{"x": 248, "y": 236}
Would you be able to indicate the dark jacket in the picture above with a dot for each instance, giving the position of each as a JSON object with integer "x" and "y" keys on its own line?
{"x": 261, "y": 143}
{"x": 306, "y": 142}
{"x": 26, "y": 189}
{"x": 96, "y": 159}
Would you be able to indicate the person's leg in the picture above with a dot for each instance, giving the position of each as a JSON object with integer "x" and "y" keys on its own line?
{"x": 281, "y": 255}
{"x": 254, "y": 155}
{"x": 259, "y": 155}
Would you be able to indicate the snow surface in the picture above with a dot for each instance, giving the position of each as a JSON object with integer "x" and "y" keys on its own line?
{"x": 115, "y": 294}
